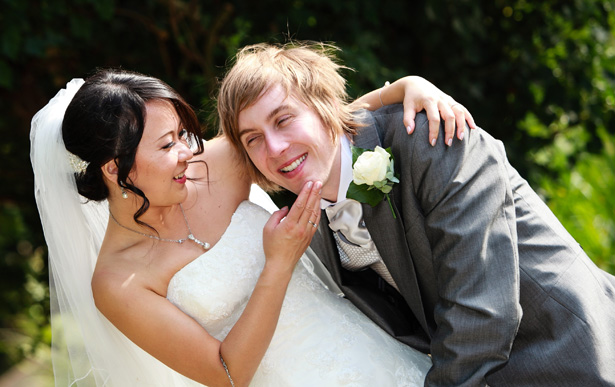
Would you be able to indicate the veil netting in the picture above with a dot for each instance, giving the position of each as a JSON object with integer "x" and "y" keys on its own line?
{"x": 87, "y": 350}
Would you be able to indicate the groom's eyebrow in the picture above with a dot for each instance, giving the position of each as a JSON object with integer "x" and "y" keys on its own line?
{"x": 275, "y": 111}
{"x": 269, "y": 117}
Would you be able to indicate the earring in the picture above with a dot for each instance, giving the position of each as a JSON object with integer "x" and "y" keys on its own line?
{"x": 124, "y": 194}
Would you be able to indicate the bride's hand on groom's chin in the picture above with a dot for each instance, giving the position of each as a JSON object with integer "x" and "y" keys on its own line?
{"x": 288, "y": 233}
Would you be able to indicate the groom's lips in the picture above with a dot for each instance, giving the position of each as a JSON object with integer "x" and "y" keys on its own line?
{"x": 296, "y": 169}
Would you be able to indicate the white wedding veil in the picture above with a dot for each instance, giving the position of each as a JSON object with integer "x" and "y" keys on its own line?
{"x": 87, "y": 350}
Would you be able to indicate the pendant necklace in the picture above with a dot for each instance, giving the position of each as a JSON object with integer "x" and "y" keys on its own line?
{"x": 190, "y": 236}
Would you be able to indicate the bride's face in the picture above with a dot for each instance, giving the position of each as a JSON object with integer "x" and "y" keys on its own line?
{"x": 162, "y": 156}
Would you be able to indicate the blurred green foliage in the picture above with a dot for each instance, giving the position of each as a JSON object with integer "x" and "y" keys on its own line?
{"x": 538, "y": 75}
{"x": 581, "y": 195}
{"x": 24, "y": 313}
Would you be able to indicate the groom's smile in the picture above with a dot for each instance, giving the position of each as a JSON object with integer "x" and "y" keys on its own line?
{"x": 288, "y": 143}
{"x": 294, "y": 165}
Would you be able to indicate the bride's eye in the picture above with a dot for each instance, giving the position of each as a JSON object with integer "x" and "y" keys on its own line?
{"x": 183, "y": 134}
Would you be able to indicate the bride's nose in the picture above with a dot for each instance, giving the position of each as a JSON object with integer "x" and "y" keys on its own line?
{"x": 184, "y": 153}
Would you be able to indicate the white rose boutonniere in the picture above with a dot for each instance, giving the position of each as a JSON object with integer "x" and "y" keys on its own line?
{"x": 373, "y": 176}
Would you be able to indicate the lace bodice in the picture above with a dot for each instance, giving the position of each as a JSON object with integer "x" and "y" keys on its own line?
{"x": 321, "y": 339}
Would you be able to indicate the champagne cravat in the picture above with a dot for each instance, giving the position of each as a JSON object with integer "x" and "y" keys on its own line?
{"x": 356, "y": 247}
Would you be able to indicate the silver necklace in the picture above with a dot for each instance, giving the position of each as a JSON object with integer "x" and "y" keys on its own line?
{"x": 190, "y": 236}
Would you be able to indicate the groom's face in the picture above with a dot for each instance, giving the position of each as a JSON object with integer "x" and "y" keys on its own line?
{"x": 288, "y": 143}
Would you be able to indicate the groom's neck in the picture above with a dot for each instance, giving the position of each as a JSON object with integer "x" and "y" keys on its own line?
{"x": 330, "y": 195}
{"x": 330, "y": 188}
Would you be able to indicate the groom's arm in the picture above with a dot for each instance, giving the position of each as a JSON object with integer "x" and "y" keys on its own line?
{"x": 466, "y": 200}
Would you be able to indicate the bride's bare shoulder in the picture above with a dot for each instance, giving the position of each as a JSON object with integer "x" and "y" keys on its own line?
{"x": 121, "y": 276}
{"x": 111, "y": 281}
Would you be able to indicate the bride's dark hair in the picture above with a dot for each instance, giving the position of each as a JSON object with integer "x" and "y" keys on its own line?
{"x": 105, "y": 121}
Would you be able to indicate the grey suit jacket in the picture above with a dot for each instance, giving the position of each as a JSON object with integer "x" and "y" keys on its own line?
{"x": 499, "y": 292}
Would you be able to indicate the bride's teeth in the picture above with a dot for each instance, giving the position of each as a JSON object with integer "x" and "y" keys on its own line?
{"x": 294, "y": 165}
{"x": 179, "y": 176}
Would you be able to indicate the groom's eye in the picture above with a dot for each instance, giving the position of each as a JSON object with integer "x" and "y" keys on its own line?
{"x": 251, "y": 139}
{"x": 283, "y": 119}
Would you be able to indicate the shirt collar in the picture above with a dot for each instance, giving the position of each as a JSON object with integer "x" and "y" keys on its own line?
{"x": 345, "y": 173}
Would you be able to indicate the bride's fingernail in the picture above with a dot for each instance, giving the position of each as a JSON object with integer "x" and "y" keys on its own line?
{"x": 309, "y": 184}
{"x": 433, "y": 142}
{"x": 461, "y": 136}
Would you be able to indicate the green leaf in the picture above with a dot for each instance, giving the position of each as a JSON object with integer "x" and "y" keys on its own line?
{"x": 380, "y": 184}
{"x": 391, "y": 170}
{"x": 362, "y": 194}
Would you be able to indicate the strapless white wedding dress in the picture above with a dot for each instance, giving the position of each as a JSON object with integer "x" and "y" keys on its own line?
{"x": 321, "y": 339}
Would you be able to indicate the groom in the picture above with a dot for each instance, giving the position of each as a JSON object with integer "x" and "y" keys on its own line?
{"x": 465, "y": 262}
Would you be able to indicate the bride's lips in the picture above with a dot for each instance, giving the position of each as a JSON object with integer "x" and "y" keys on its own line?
{"x": 293, "y": 167}
{"x": 181, "y": 178}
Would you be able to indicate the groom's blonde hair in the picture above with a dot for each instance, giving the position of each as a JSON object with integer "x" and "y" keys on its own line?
{"x": 308, "y": 71}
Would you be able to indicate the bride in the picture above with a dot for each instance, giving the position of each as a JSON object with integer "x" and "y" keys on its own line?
{"x": 163, "y": 273}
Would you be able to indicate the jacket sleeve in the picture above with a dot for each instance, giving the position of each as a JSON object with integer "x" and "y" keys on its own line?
{"x": 467, "y": 205}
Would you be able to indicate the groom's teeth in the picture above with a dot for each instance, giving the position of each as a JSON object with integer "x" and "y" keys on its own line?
{"x": 179, "y": 176}
{"x": 294, "y": 165}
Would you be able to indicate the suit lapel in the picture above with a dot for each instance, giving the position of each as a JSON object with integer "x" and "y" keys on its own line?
{"x": 389, "y": 236}
{"x": 390, "y": 239}
{"x": 367, "y": 136}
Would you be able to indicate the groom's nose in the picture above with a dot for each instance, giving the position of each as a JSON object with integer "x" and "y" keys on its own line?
{"x": 276, "y": 144}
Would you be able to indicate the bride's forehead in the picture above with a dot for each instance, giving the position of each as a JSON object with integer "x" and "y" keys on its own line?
{"x": 159, "y": 116}
{"x": 160, "y": 109}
